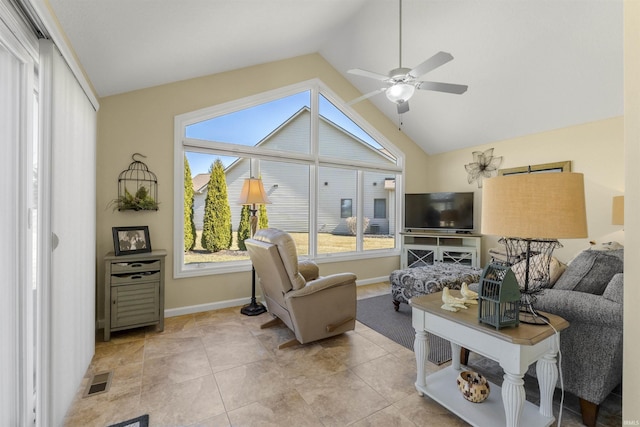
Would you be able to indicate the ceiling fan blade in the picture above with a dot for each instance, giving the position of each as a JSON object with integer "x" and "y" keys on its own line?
{"x": 403, "y": 107}
{"x": 366, "y": 95}
{"x": 370, "y": 74}
{"x": 432, "y": 63}
{"x": 442, "y": 87}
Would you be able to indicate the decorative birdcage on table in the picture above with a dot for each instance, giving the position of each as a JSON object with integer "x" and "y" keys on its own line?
{"x": 137, "y": 187}
{"x": 498, "y": 297}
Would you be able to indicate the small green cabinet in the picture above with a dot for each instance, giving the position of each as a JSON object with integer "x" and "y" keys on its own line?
{"x": 134, "y": 291}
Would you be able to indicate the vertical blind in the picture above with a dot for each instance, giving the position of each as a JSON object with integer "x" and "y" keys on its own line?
{"x": 16, "y": 352}
{"x": 72, "y": 143}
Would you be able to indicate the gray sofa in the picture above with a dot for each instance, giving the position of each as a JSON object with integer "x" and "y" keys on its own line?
{"x": 589, "y": 295}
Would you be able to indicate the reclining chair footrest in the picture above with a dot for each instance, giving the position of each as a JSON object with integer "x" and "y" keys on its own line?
{"x": 289, "y": 343}
{"x": 273, "y": 322}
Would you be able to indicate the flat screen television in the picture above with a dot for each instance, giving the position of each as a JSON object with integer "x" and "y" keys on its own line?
{"x": 438, "y": 211}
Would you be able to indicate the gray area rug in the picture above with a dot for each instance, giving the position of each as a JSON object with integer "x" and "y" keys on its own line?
{"x": 378, "y": 313}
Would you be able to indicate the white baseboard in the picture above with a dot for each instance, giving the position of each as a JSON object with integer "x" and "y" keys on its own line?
{"x": 242, "y": 301}
{"x": 172, "y": 312}
{"x": 179, "y": 311}
{"x": 372, "y": 280}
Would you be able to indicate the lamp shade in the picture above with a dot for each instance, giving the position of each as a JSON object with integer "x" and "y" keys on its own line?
{"x": 617, "y": 211}
{"x": 253, "y": 193}
{"x": 535, "y": 206}
{"x": 400, "y": 92}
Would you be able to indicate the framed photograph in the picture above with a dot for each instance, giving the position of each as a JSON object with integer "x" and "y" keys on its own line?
{"x": 131, "y": 240}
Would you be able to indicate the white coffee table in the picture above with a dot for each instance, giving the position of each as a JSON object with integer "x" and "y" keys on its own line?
{"x": 514, "y": 348}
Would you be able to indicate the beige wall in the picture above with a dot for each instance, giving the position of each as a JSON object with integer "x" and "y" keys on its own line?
{"x": 594, "y": 149}
{"x": 631, "y": 393}
{"x": 142, "y": 121}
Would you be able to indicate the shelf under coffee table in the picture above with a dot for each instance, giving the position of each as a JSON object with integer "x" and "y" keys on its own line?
{"x": 514, "y": 348}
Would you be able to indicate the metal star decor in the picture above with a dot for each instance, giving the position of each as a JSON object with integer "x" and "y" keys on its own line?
{"x": 484, "y": 166}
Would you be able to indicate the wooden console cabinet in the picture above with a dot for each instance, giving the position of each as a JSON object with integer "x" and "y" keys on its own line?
{"x": 421, "y": 249}
{"x": 133, "y": 291}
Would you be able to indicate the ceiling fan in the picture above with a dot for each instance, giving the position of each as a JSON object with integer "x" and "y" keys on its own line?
{"x": 401, "y": 83}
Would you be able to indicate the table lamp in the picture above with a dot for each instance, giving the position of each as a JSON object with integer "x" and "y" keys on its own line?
{"x": 253, "y": 194}
{"x": 531, "y": 211}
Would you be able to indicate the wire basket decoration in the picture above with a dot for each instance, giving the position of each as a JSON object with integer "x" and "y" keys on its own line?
{"x": 137, "y": 187}
{"x": 499, "y": 297}
{"x": 530, "y": 260}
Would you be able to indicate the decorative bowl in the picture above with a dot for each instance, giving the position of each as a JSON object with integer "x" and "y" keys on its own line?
{"x": 473, "y": 386}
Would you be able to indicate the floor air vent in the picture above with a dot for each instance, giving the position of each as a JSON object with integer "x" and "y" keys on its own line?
{"x": 99, "y": 383}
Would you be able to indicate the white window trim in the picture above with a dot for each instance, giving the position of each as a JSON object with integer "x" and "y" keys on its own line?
{"x": 180, "y": 270}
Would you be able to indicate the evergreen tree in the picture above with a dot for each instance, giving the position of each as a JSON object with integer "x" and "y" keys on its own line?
{"x": 216, "y": 230}
{"x": 263, "y": 218}
{"x": 244, "y": 228}
{"x": 189, "y": 225}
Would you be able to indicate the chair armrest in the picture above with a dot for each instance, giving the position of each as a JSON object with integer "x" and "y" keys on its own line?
{"x": 581, "y": 307}
{"x": 322, "y": 283}
{"x": 308, "y": 269}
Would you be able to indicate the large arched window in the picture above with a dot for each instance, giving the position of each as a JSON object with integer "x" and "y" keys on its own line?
{"x": 325, "y": 171}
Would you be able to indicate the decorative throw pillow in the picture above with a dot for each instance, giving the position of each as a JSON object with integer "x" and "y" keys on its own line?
{"x": 538, "y": 276}
{"x": 591, "y": 271}
{"x": 606, "y": 246}
{"x": 615, "y": 288}
{"x": 556, "y": 268}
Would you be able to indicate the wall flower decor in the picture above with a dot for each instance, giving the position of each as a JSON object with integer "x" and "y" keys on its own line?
{"x": 484, "y": 165}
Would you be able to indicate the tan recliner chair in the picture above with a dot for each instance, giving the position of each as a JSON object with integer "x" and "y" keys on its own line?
{"x": 313, "y": 307}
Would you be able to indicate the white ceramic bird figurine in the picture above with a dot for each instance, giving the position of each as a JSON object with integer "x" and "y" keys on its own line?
{"x": 451, "y": 303}
{"x": 469, "y": 296}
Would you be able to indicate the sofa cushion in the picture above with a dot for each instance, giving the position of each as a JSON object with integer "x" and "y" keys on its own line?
{"x": 615, "y": 289}
{"x": 591, "y": 271}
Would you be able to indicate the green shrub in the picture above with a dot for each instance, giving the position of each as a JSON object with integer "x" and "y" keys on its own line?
{"x": 216, "y": 229}
{"x": 244, "y": 228}
{"x": 263, "y": 218}
{"x": 189, "y": 225}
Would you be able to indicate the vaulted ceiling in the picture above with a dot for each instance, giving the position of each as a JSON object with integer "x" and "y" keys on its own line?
{"x": 531, "y": 65}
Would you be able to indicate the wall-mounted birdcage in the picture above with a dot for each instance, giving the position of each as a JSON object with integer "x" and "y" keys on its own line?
{"x": 498, "y": 297}
{"x": 137, "y": 187}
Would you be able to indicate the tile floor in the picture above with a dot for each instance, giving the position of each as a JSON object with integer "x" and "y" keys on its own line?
{"x": 218, "y": 368}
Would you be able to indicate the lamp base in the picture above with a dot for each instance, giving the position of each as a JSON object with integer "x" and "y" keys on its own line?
{"x": 253, "y": 309}
{"x": 530, "y": 316}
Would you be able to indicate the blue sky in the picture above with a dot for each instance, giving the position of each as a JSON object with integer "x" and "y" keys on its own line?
{"x": 251, "y": 125}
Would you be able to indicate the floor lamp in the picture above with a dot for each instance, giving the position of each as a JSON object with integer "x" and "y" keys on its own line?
{"x": 533, "y": 210}
{"x": 253, "y": 194}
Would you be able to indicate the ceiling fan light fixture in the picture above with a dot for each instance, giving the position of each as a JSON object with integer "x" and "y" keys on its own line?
{"x": 400, "y": 92}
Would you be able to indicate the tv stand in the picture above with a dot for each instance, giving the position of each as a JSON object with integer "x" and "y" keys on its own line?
{"x": 424, "y": 248}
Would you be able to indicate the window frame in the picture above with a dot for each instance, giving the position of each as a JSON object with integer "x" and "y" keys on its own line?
{"x": 312, "y": 159}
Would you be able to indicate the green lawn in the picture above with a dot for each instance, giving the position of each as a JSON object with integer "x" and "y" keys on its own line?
{"x": 327, "y": 243}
